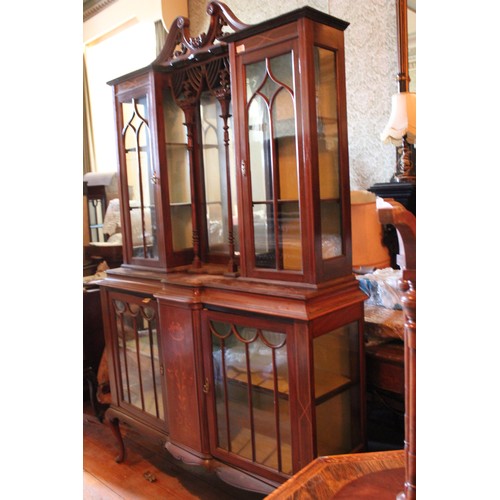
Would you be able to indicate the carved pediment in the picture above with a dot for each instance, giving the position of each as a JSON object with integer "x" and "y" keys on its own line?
{"x": 181, "y": 45}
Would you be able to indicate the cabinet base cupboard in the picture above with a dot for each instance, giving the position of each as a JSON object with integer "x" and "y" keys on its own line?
{"x": 253, "y": 380}
{"x": 234, "y": 327}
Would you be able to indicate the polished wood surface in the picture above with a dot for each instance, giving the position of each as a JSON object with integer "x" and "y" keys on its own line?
{"x": 402, "y": 24}
{"x": 385, "y": 367}
{"x": 380, "y": 485}
{"x": 410, "y": 307}
{"x": 379, "y": 475}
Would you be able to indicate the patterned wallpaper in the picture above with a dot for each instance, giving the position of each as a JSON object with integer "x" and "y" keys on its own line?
{"x": 248, "y": 11}
{"x": 371, "y": 68}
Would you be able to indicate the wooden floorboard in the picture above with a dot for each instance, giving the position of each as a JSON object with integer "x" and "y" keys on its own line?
{"x": 95, "y": 489}
{"x": 104, "y": 479}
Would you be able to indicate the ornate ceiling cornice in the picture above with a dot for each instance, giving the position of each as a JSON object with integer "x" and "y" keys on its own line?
{"x": 93, "y": 7}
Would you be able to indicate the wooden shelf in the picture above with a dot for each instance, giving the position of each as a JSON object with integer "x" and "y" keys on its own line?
{"x": 181, "y": 204}
{"x": 259, "y": 380}
{"x": 331, "y": 385}
{"x": 267, "y": 455}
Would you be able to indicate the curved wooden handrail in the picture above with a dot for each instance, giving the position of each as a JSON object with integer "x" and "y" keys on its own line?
{"x": 392, "y": 212}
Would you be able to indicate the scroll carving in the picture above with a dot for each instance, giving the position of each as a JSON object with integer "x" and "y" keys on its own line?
{"x": 181, "y": 45}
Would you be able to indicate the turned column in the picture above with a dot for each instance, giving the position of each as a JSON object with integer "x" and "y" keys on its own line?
{"x": 190, "y": 124}
{"x": 409, "y": 302}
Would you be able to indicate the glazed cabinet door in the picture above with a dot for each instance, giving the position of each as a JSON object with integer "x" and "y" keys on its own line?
{"x": 281, "y": 392}
{"x": 270, "y": 163}
{"x": 289, "y": 100}
{"x": 175, "y": 147}
{"x": 330, "y": 180}
{"x": 198, "y": 146}
{"x": 139, "y": 174}
{"x": 138, "y": 367}
{"x": 248, "y": 387}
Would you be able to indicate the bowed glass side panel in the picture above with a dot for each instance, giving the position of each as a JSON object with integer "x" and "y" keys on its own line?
{"x": 328, "y": 152}
{"x": 179, "y": 181}
{"x": 141, "y": 177}
{"x": 273, "y": 163}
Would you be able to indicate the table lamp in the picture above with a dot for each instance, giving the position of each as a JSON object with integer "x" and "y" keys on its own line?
{"x": 401, "y": 130}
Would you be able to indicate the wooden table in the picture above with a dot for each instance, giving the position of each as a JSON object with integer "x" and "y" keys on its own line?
{"x": 377, "y": 475}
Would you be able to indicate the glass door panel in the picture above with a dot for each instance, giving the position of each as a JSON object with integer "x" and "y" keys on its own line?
{"x": 138, "y": 355}
{"x": 291, "y": 247}
{"x": 273, "y": 163}
{"x": 289, "y": 213}
{"x": 264, "y": 241}
{"x": 328, "y": 152}
{"x": 141, "y": 177}
{"x": 179, "y": 183}
{"x": 216, "y": 179}
{"x": 260, "y": 149}
{"x": 250, "y": 367}
{"x": 336, "y": 383}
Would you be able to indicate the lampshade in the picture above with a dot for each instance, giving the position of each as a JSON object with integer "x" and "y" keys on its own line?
{"x": 368, "y": 252}
{"x": 402, "y": 120}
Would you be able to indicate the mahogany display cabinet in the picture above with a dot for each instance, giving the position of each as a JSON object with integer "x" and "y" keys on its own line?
{"x": 234, "y": 328}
